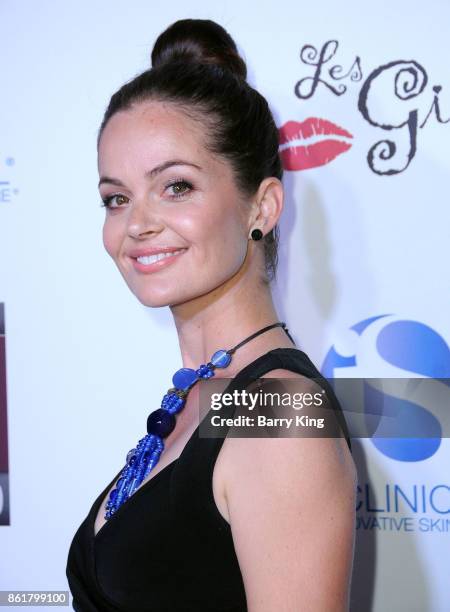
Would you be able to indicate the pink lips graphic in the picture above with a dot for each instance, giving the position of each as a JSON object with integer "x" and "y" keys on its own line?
{"x": 304, "y": 156}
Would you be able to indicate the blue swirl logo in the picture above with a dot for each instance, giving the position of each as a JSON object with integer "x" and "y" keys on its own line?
{"x": 387, "y": 346}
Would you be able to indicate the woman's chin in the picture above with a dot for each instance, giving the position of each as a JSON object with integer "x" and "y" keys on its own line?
{"x": 152, "y": 300}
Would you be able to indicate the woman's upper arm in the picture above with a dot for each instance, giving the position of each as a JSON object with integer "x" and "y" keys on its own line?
{"x": 291, "y": 504}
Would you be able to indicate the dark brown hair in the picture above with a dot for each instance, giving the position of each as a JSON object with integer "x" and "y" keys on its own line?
{"x": 196, "y": 66}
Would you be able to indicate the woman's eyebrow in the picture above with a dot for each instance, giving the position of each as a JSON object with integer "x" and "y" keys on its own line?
{"x": 150, "y": 173}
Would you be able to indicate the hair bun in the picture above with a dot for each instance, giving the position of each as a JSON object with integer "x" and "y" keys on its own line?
{"x": 199, "y": 41}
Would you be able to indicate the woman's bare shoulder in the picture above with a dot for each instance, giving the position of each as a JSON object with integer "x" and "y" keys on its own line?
{"x": 291, "y": 508}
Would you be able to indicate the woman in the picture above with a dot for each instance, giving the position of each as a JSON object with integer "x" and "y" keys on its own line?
{"x": 190, "y": 176}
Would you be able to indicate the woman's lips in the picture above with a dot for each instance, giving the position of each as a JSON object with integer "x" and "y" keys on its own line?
{"x": 158, "y": 265}
{"x": 296, "y": 154}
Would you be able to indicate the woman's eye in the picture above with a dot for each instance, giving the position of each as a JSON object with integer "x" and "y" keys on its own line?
{"x": 107, "y": 201}
{"x": 179, "y": 188}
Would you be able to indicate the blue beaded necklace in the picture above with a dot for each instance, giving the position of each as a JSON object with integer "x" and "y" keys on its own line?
{"x": 161, "y": 422}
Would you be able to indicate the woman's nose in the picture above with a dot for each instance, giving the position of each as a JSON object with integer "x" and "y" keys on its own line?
{"x": 143, "y": 219}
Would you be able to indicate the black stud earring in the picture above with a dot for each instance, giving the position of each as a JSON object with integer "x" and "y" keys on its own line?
{"x": 256, "y": 234}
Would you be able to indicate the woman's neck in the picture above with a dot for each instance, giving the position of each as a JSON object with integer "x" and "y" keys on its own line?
{"x": 222, "y": 319}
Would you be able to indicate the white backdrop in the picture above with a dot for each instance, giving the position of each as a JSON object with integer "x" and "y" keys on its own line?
{"x": 361, "y": 238}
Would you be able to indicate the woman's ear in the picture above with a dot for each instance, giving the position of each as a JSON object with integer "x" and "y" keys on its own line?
{"x": 267, "y": 205}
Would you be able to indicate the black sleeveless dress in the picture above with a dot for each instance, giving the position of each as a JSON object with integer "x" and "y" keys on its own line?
{"x": 168, "y": 548}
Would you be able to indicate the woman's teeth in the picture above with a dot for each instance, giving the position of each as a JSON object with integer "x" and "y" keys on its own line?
{"x": 150, "y": 259}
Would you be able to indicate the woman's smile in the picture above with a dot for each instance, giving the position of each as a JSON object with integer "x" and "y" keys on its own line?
{"x": 153, "y": 263}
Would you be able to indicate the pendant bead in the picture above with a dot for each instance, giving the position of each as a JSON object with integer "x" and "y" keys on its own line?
{"x": 160, "y": 423}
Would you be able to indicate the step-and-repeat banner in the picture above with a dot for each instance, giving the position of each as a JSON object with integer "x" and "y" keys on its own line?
{"x": 361, "y": 96}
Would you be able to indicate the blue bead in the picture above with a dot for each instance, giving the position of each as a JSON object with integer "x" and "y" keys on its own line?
{"x": 172, "y": 403}
{"x": 160, "y": 423}
{"x": 205, "y": 371}
{"x": 182, "y": 379}
{"x": 175, "y": 407}
{"x": 221, "y": 359}
{"x": 119, "y": 483}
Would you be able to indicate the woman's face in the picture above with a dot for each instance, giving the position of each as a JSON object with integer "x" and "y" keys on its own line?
{"x": 166, "y": 191}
